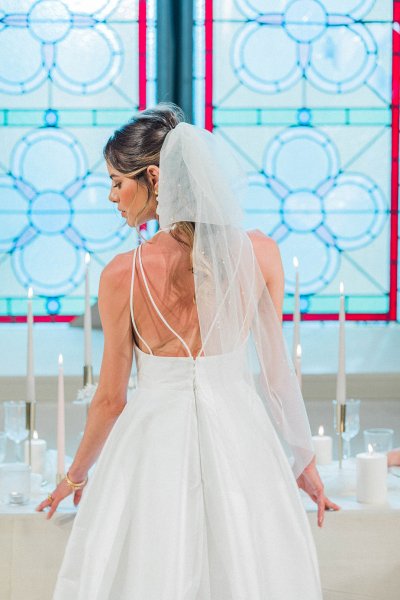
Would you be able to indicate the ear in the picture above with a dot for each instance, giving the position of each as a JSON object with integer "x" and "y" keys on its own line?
{"x": 153, "y": 173}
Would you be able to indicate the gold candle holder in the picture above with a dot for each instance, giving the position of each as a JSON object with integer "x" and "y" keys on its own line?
{"x": 340, "y": 428}
{"x": 28, "y": 420}
{"x": 30, "y": 425}
{"x": 87, "y": 375}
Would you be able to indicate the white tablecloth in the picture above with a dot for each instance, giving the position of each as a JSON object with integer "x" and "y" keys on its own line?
{"x": 358, "y": 547}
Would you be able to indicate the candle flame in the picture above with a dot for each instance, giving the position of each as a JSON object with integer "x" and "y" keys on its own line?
{"x": 295, "y": 262}
{"x": 30, "y": 292}
{"x": 60, "y": 360}
{"x": 321, "y": 430}
{"x": 341, "y": 288}
{"x": 298, "y": 351}
{"x": 370, "y": 449}
{"x": 87, "y": 258}
{"x": 35, "y": 435}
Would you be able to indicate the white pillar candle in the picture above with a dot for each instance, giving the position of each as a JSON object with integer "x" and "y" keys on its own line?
{"x": 88, "y": 315}
{"x": 30, "y": 376}
{"x": 296, "y": 311}
{"x": 298, "y": 364}
{"x": 38, "y": 453}
{"x": 60, "y": 418}
{"x": 341, "y": 374}
{"x": 322, "y": 447}
{"x": 371, "y": 477}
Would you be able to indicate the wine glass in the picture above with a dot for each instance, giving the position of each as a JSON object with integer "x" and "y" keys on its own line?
{"x": 15, "y": 423}
{"x": 352, "y": 423}
{"x": 3, "y": 445}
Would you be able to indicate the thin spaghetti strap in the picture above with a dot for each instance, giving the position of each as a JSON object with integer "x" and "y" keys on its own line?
{"x": 131, "y": 301}
{"x": 156, "y": 308}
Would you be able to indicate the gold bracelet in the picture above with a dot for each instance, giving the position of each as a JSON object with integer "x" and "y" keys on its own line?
{"x": 74, "y": 485}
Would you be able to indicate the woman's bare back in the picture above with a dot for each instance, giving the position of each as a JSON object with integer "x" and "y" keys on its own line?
{"x": 163, "y": 264}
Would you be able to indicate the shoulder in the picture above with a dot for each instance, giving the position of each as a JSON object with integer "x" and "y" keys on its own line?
{"x": 261, "y": 240}
{"x": 116, "y": 275}
{"x": 267, "y": 253}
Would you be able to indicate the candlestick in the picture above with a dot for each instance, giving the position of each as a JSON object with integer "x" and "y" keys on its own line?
{"x": 298, "y": 363}
{"x": 60, "y": 419}
{"x": 371, "y": 476}
{"x": 87, "y": 319}
{"x": 30, "y": 376}
{"x": 322, "y": 447}
{"x": 296, "y": 311}
{"x": 38, "y": 453}
{"x": 341, "y": 376}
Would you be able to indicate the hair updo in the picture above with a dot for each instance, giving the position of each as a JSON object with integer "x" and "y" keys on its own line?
{"x": 137, "y": 144}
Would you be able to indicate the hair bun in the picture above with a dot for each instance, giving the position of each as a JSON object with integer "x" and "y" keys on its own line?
{"x": 164, "y": 114}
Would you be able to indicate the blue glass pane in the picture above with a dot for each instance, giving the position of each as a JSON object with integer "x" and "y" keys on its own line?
{"x": 75, "y": 81}
{"x": 302, "y": 92}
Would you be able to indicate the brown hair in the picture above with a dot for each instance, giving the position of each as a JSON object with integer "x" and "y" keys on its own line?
{"x": 137, "y": 144}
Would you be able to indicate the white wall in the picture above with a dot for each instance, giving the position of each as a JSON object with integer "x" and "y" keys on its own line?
{"x": 370, "y": 348}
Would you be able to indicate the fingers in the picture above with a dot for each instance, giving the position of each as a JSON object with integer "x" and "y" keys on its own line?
{"x": 77, "y": 497}
{"x": 48, "y": 503}
{"x": 53, "y": 507}
{"x": 325, "y": 504}
{"x": 331, "y": 505}
{"x": 321, "y": 510}
{"x": 61, "y": 492}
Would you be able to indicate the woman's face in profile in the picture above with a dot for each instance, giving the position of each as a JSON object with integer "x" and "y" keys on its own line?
{"x": 130, "y": 197}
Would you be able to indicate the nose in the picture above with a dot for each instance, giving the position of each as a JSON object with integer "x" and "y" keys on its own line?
{"x": 112, "y": 196}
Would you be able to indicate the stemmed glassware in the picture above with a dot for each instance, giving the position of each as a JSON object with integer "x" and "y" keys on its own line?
{"x": 3, "y": 445}
{"x": 352, "y": 423}
{"x": 15, "y": 423}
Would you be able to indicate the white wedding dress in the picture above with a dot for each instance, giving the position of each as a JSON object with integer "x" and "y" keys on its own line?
{"x": 192, "y": 496}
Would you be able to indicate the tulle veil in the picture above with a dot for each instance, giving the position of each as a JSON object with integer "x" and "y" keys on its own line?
{"x": 201, "y": 181}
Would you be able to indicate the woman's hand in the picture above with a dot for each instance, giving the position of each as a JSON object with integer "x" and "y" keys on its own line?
{"x": 62, "y": 491}
{"x": 311, "y": 483}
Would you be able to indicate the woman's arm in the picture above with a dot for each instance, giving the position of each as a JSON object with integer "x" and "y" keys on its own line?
{"x": 268, "y": 256}
{"x": 269, "y": 259}
{"x": 110, "y": 397}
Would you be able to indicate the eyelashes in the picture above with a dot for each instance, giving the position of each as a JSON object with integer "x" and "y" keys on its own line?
{"x": 117, "y": 185}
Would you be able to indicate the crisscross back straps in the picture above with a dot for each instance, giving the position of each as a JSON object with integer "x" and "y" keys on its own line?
{"x": 156, "y": 307}
{"x": 131, "y": 302}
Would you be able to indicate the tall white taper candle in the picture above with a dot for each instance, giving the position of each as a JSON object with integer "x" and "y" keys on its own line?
{"x": 30, "y": 375}
{"x": 298, "y": 363}
{"x": 341, "y": 374}
{"x": 296, "y": 311}
{"x": 60, "y": 418}
{"x": 88, "y": 315}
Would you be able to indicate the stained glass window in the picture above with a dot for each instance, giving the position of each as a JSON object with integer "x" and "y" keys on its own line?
{"x": 71, "y": 72}
{"x": 302, "y": 91}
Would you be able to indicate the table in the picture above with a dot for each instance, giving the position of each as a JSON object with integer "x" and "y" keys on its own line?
{"x": 358, "y": 547}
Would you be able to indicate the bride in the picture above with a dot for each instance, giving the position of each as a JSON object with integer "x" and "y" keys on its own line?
{"x": 194, "y": 493}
